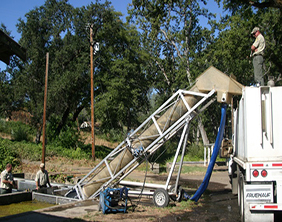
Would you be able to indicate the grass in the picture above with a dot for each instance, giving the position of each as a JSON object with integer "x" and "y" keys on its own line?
{"x": 184, "y": 205}
{"x": 193, "y": 169}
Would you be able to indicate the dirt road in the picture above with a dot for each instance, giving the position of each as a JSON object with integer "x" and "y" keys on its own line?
{"x": 217, "y": 203}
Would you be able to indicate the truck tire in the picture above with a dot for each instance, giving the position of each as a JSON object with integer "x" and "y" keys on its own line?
{"x": 242, "y": 205}
{"x": 239, "y": 193}
{"x": 234, "y": 178}
{"x": 160, "y": 198}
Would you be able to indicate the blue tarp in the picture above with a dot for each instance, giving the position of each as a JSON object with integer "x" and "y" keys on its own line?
{"x": 217, "y": 145}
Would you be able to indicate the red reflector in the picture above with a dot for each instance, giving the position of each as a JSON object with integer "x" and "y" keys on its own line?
{"x": 277, "y": 164}
{"x": 255, "y": 173}
{"x": 264, "y": 173}
{"x": 257, "y": 165}
{"x": 270, "y": 207}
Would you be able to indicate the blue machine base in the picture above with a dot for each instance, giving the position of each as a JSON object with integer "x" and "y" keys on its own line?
{"x": 110, "y": 200}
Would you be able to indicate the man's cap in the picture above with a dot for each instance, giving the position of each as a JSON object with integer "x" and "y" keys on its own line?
{"x": 255, "y": 29}
{"x": 42, "y": 165}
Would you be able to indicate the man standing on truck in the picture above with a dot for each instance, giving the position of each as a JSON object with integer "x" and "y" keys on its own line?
{"x": 42, "y": 178}
{"x": 257, "y": 51}
{"x": 7, "y": 180}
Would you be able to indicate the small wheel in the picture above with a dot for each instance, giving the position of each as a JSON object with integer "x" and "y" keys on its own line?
{"x": 99, "y": 206}
{"x": 179, "y": 193}
{"x": 161, "y": 198}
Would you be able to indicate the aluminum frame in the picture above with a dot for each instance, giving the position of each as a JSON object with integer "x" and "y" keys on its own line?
{"x": 183, "y": 121}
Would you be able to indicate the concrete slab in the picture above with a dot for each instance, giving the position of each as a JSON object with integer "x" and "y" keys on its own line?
{"x": 72, "y": 210}
{"x": 57, "y": 213}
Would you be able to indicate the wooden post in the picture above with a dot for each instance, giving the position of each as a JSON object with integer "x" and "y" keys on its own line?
{"x": 92, "y": 92}
{"x": 44, "y": 109}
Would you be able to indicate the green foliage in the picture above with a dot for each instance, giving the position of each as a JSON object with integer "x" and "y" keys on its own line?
{"x": 24, "y": 150}
{"x": 14, "y": 152}
{"x": 234, "y": 5}
{"x": 112, "y": 135}
{"x": 7, "y": 155}
{"x": 100, "y": 151}
{"x": 173, "y": 36}
{"x": 18, "y": 130}
{"x": 193, "y": 169}
{"x": 68, "y": 138}
{"x": 193, "y": 152}
{"x": 3, "y": 127}
{"x": 120, "y": 84}
{"x": 6, "y": 99}
{"x": 20, "y": 134}
{"x": 166, "y": 153}
{"x": 77, "y": 153}
{"x": 161, "y": 48}
{"x": 230, "y": 51}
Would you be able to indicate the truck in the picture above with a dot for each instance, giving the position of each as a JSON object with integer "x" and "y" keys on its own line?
{"x": 255, "y": 164}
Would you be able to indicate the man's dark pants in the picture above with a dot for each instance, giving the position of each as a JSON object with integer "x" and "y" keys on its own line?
{"x": 258, "y": 69}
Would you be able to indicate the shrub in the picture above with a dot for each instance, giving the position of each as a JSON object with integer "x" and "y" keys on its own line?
{"x": 7, "y": 154}
{"x": 112, "y": 135}
{"x": 69, "y": 137}
{"x": 20, "y": 134}
{"x": 195, "y": 152}
{"x": 2, "y": 125}
{"x": 10, "y": 126}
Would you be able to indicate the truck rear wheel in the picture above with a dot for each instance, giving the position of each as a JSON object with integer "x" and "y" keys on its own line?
{"x": 242, "y": 205}
{"x": 239, "y": 193}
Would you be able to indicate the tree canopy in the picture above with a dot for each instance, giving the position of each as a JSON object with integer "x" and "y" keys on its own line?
{"x": 233, "y": 4}
{"x": 161, "y": 48}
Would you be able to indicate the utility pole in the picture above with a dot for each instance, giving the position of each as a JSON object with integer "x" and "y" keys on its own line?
{"x": 93, "y": 49}
{"x": 44, "y": 109}
{"x": 92, "y": 92}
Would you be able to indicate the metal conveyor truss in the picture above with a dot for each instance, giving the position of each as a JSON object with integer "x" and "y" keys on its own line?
{"x": 163, "y": 124}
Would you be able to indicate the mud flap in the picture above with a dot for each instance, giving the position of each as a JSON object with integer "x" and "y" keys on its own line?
{"x": 255, "y": 194}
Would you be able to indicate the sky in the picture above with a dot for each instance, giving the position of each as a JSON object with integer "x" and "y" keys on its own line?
{"x": 12, "y": 10}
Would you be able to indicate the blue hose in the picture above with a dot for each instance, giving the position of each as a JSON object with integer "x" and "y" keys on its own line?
{"x": 217, "y": 144}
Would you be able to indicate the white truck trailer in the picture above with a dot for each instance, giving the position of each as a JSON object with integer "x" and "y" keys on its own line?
{"x": 255, "y": 167}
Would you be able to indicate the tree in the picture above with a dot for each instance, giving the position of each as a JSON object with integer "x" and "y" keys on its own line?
{"x": 41, "y": 32}
{"x": 173, "y": 36}
{"x": 230, "y": 51}
{"x": 121, "y": 83}
{"x": 258, "y": 3}
{"x": 118, "y": 66}
{"x": 5, "y": 87}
